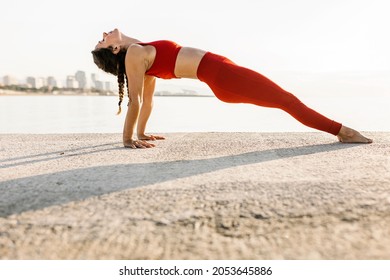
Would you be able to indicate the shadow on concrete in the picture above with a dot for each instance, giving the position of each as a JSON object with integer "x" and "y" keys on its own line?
{"x": 38, "y": 192}
{"x": 16, "y": 161}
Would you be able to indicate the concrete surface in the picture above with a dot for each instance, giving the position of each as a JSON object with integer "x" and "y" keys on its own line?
{"x": 194, "y": 196}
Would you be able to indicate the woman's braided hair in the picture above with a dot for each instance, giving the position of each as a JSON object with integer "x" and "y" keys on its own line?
{"x": 114, "y": 64}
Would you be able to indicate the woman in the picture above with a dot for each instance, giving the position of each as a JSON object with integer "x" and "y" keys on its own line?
{"x": 140, "y": 63}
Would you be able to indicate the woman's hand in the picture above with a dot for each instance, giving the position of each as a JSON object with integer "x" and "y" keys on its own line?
{"x": 137, "y": 144}
{"x": 150, "y": 137}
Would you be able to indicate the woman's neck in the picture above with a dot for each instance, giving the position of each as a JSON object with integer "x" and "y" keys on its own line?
{"x": 127, "y": 41}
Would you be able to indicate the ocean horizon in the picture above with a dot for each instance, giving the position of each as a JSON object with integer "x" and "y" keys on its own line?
{"x": 46, "y": 114}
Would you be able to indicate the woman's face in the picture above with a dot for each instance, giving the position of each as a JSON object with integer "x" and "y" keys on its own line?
{"x": 111, "y": 38}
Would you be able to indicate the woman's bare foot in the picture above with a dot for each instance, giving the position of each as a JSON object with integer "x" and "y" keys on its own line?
{"x": 349, "y": 135}
{"x": 150, "y": 137}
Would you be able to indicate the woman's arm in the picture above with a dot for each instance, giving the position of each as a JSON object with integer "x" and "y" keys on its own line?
{"x": 135, "y": 71}
{"x": 146, "y": 109}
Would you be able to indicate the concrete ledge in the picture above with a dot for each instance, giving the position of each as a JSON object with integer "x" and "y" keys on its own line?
{"x": 194, "y": 196}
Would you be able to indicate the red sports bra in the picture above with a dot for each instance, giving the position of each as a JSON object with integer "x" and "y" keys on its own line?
{"x": 165, "y": 60}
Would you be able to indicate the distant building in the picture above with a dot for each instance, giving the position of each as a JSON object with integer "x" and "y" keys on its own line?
{"x": 51, "y": 82}
{"x": 94, "y": 78}
{"x": 71, "y": 82}
{"x": 31, "y": 82}
{"x": 38, "y": 83}
{"x": 99, "y": 85}
{"x": 108, "y": 86}
{"x": 81, "y": 79}
{"x": 10, "y": 81}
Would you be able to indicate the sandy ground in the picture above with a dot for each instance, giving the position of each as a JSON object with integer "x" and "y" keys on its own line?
{"x": 194, "y": 196}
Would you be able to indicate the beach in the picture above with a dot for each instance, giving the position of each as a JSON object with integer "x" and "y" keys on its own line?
{"x": 205, "y": 195}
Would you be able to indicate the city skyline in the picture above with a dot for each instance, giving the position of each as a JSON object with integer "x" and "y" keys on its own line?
{"x": 79, "y": 80}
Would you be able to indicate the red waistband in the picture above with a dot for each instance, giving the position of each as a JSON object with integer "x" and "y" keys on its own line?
{"x": 208, "y": 68}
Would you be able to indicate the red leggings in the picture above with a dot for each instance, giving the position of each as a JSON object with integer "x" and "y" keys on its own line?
{"x": 235, "y": 84}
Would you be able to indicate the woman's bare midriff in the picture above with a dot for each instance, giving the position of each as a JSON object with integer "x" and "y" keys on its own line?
{"x": 187, "y": 62}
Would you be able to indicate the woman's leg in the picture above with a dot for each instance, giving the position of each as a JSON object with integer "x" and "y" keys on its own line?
{"x": 236, "y": 84}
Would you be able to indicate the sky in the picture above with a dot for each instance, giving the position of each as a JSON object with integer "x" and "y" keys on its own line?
{"x": 55, "y": 38}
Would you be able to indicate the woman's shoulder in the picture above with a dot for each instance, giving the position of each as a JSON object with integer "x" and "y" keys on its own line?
{"x": 137, "y": 55}
{"x": 135, "y": 52}
{"x": 135, "y": 48}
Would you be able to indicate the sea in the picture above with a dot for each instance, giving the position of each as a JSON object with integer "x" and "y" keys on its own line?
{"x": 47, "y": 114}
